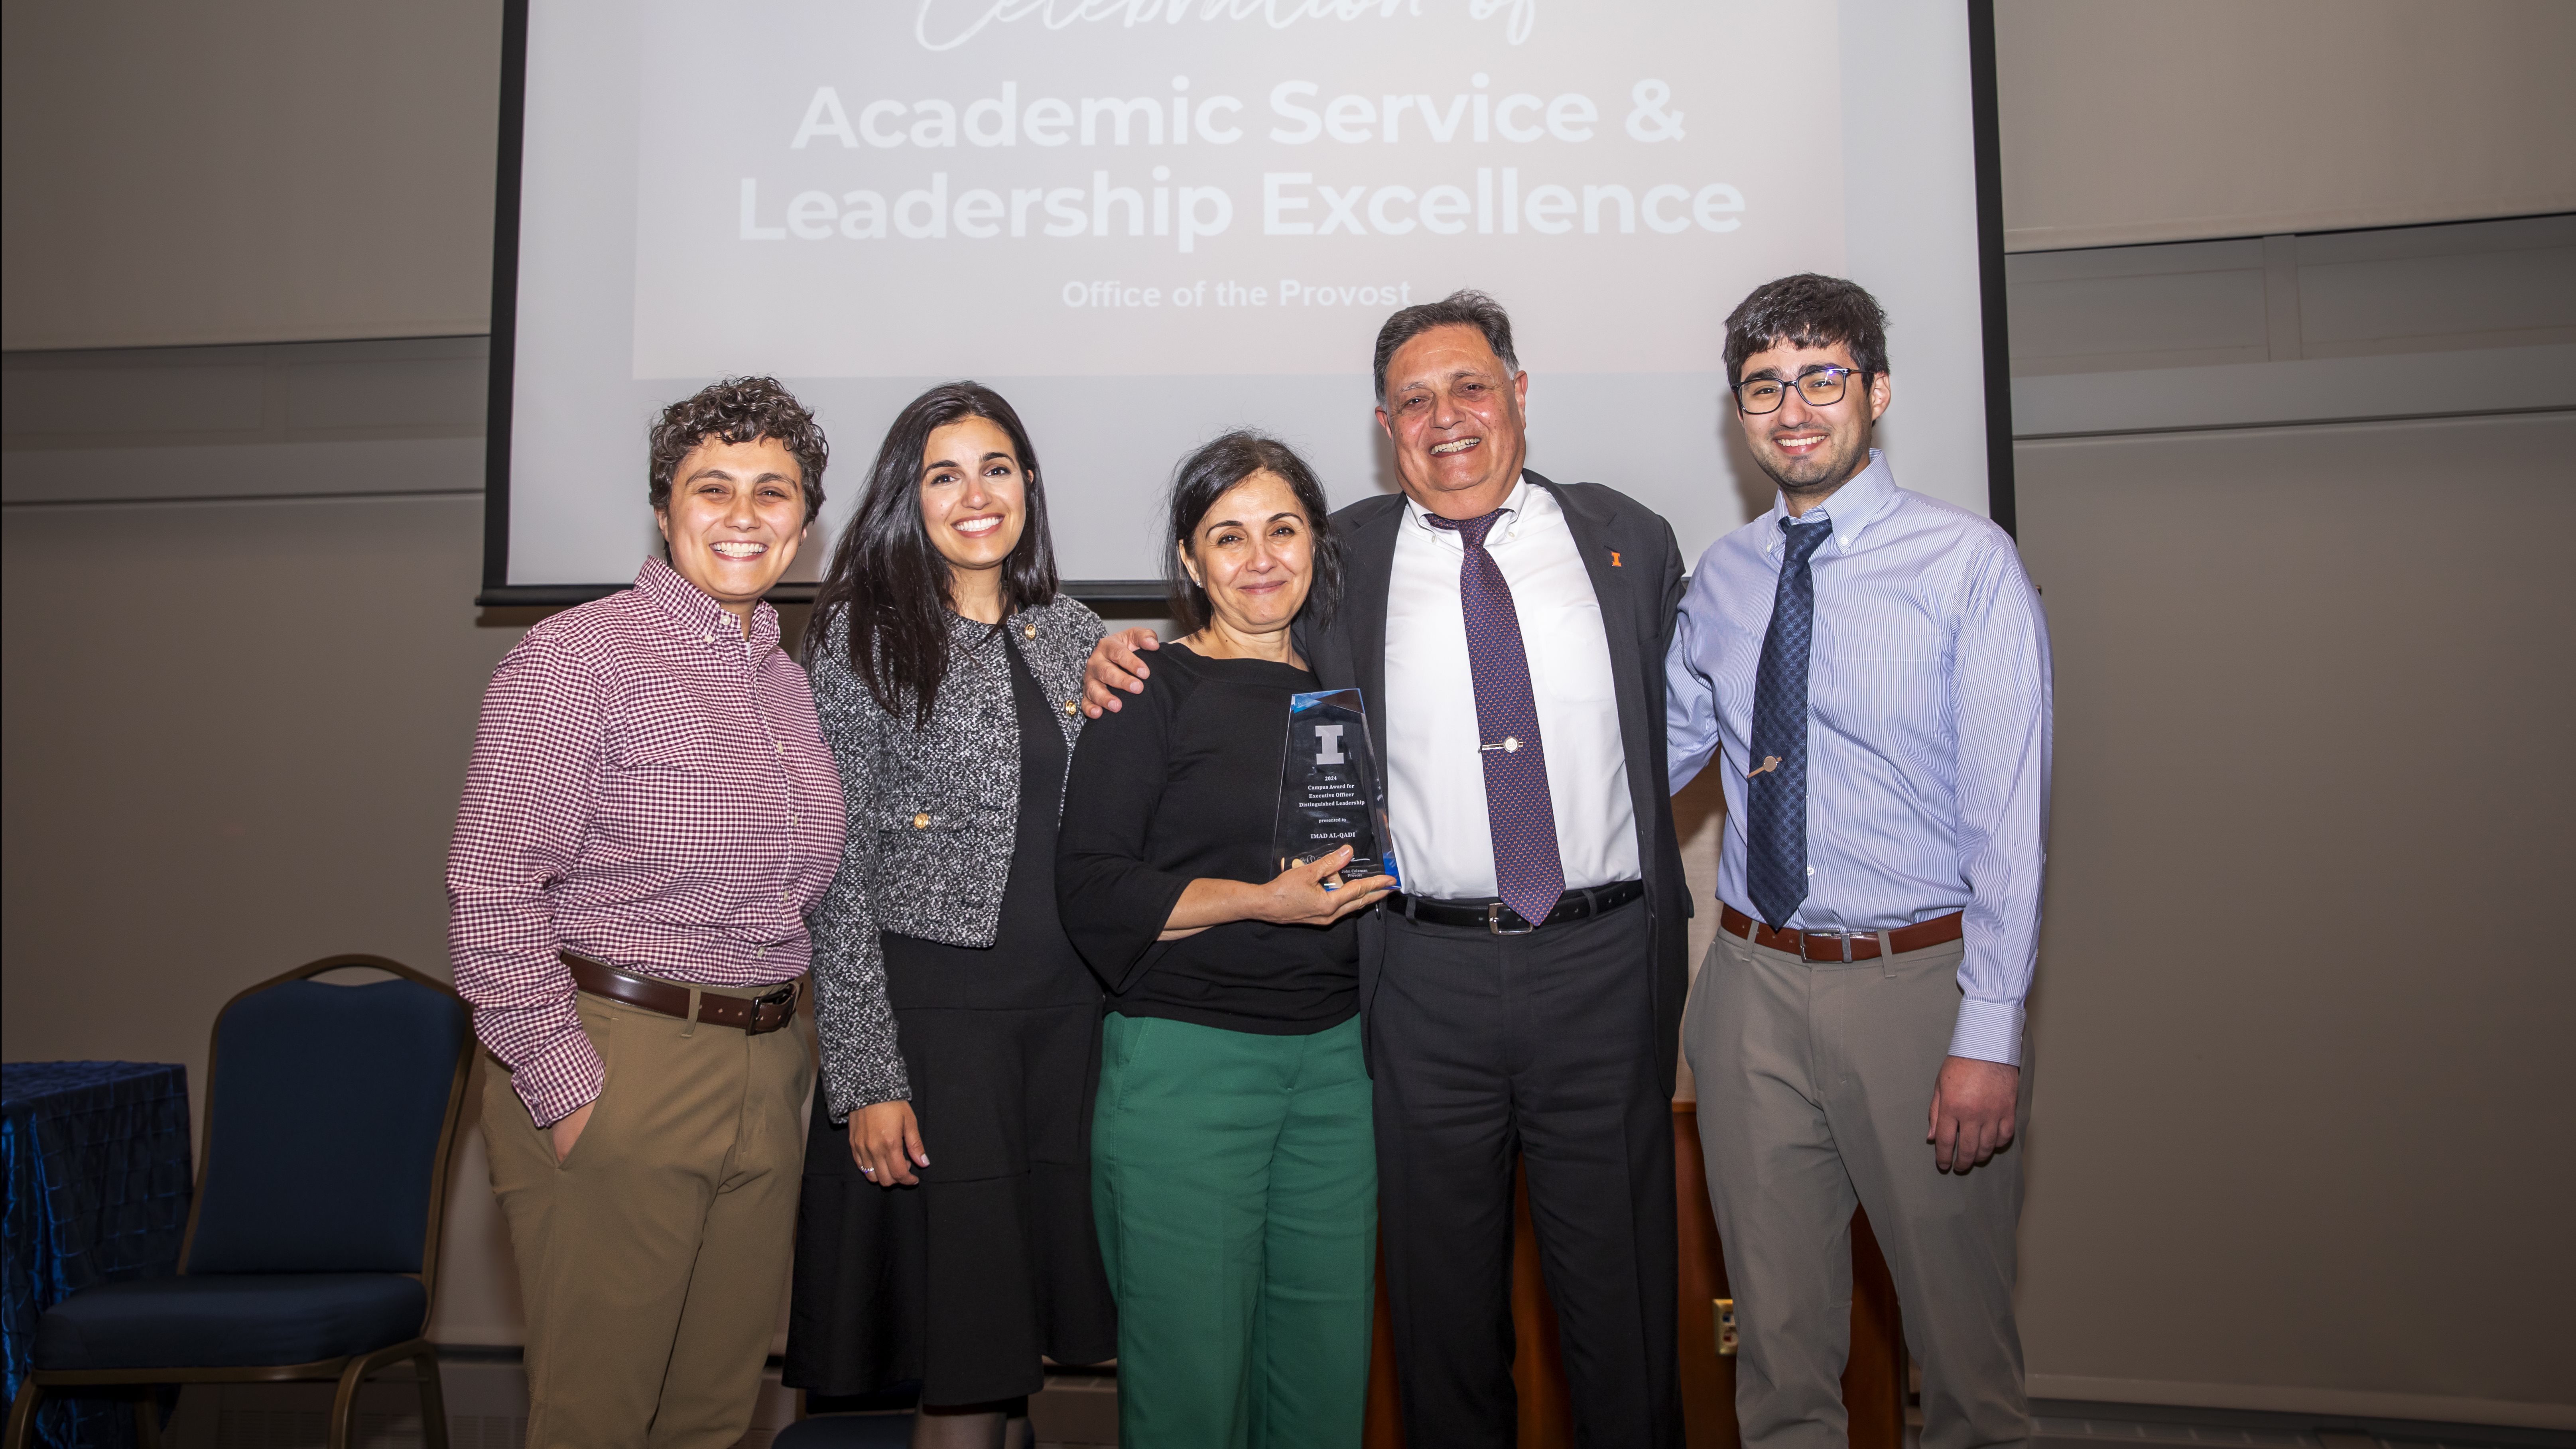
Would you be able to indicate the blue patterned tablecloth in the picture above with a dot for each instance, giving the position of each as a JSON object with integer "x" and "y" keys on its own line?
{"x": 98, "y": 1183}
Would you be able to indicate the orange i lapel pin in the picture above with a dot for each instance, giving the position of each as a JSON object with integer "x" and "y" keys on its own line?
{"x": 1614, "y": 558}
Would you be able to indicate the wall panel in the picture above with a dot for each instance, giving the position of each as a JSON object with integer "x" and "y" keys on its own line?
{"x": 2302, "y": 1092}
{"x": 254, "y": 171}
{"x": 2126, "y": 123}
{"x": 234, "y": 738}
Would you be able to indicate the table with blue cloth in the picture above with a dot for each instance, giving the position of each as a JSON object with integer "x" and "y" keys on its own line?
{"x": 98, "y": 1187}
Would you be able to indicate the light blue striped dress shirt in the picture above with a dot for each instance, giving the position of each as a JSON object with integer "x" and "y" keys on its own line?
{"x": 1928, "y": 705}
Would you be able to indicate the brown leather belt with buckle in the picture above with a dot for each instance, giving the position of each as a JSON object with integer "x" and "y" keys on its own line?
{"x": 752, "y": 1015}
{"x": 1580, "y": 903}
{"x": 1839, "y": 945}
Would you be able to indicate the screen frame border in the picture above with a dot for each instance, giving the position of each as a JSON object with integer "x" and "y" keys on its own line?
{"x": 498, "y": 592}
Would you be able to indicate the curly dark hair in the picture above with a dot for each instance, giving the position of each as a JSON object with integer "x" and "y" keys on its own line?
{"x": 1208, "y": 475}
{"x": 1807, "y": 310}
{"x": 1458, "y": 309}
{"x": 738, "y": 410}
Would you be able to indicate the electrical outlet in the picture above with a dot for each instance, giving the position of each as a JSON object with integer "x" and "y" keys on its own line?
{"x": 1726, "y": 1339}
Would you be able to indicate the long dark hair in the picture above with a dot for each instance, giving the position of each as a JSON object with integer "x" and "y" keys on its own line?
{"x": 888, "y": 583}
{"x": 1206, "y": 476}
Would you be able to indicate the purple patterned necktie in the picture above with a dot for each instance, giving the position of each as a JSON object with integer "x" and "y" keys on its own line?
{"x": 1528, "y": 872}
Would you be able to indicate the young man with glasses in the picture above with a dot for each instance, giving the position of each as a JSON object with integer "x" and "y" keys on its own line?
{"x": 1870, "y": 668}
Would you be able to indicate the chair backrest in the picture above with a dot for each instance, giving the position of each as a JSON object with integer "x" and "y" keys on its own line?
{"x": 329, "y": 1115}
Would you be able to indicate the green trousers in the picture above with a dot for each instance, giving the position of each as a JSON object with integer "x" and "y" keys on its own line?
{"x": 1234, "y": 1177}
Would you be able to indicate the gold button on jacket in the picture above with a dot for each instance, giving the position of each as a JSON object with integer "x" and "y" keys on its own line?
{"x": 921, "y": 822}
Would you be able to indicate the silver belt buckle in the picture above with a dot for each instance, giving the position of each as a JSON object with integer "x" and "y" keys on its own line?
{"x": 1845, "y": 937}
{"x": 1494, "y": 920}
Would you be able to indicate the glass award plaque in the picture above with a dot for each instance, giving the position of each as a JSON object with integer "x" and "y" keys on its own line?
{"x": 1330, "y": 791}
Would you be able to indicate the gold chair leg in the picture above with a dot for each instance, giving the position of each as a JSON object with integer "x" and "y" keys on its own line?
{"x": 433, "y": 1399}
{"x": 22, "y": 1411}
{"x": 344, "y": 1404}
{"x": 147, "y": 1418}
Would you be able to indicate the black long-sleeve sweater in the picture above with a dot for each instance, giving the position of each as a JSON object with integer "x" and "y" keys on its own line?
{"x": 1183, "y": 783}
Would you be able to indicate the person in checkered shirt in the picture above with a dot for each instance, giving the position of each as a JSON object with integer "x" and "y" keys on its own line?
{"x": 649, "y": 813}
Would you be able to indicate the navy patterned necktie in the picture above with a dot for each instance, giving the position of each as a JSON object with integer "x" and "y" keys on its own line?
{"x": 1529, "y": 874}
{"x": 1775, "y": 810}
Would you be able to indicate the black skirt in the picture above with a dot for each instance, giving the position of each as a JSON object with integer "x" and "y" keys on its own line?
{"x": 961, "y": 1283}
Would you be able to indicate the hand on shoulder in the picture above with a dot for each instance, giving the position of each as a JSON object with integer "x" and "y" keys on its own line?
{"x": 1117, "y": 664}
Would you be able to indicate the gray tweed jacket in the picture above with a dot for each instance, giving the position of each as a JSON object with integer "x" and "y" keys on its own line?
{"x": 932, "y": 819}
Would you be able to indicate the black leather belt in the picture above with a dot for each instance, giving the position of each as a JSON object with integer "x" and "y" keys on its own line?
{"x": 1578, "y": 904}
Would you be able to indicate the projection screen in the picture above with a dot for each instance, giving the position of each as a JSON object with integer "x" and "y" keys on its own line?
{"x": 1148, "y": 221}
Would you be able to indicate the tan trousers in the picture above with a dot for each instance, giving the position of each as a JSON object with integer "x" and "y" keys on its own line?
{"x": 1815, "y": 1088}
{"x": 651, "y": 1259}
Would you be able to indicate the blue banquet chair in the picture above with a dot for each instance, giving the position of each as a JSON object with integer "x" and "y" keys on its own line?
{"x": 312, "y": 1244}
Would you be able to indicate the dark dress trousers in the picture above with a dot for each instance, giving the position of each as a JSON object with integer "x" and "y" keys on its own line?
{"x": 1557, "y": 1047}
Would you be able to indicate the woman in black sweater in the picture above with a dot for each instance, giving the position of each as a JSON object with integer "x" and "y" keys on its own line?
{"x": 1234, "y": 1172}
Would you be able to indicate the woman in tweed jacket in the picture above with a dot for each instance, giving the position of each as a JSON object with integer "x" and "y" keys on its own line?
{"x": 958, "y": 1024}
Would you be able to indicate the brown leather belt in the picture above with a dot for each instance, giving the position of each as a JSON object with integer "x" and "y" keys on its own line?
{"x": 752, "y": 1015}
{"x": 1839, "y": 945}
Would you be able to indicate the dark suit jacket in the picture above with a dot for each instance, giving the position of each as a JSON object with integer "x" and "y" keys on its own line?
{"x": 1636, "y": 570}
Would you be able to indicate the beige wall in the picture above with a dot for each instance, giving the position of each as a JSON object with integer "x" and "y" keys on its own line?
{"x": 249, "y": 171}
{"x": 2184, "y": 119}
{"x": 232, "y": 740}
{"x": 277, "y": 170}
{"x": 260, "y": 710}
{"x": 2304, "y": 1096}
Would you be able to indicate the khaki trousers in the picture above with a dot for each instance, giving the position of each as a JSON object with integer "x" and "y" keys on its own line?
{"x": 1815, "y": 1088}
{"x": 651, "y": 1259}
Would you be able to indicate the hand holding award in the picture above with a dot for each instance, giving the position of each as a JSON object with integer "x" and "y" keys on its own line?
{"x": 1317, "y": 892}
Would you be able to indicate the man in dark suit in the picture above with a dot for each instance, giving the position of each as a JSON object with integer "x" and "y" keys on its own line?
{"x": 1523, "y": 996}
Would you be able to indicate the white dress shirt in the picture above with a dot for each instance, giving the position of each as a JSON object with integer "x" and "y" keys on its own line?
{"x": 1928, "y": 703}
{"x": 1444, "y": 843}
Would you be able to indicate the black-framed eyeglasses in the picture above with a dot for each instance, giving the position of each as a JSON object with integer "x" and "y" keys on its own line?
{"x": 1818, "y": 387}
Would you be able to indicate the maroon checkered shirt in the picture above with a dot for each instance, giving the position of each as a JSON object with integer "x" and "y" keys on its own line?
{"x": 649, "y": 788}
